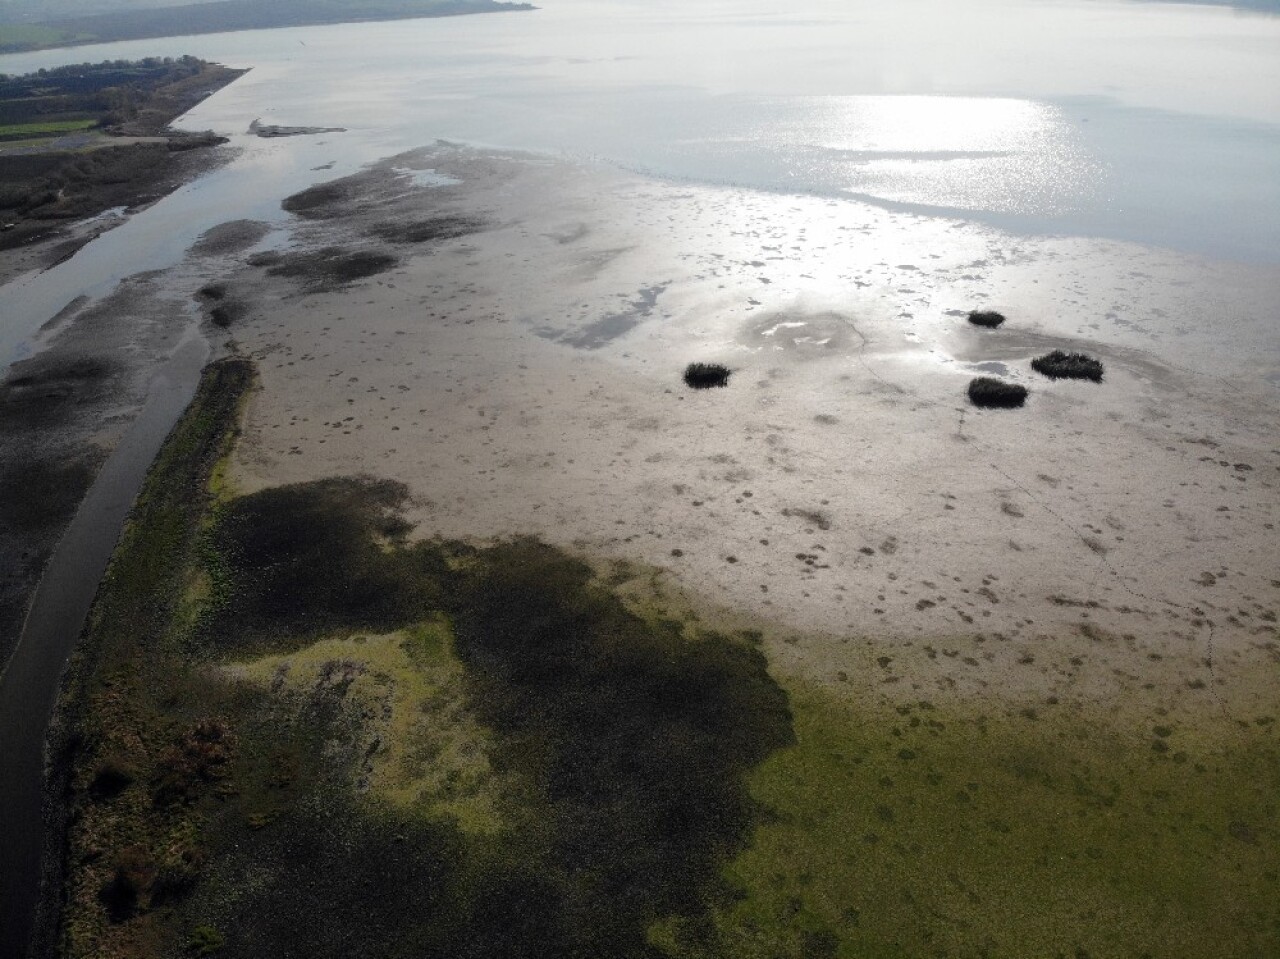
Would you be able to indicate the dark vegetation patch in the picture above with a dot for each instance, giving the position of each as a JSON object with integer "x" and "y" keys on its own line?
{"x": 988, "y": 318}
{"x": 628, "y": 740}
{"x": 701, "y": 376}
{"x": 43, "y": 391}
{"x": 297, "y": 561}
{"x": 328, "y": 268}
{"x": 1072, "y": 366}
{"x": 227, "y": 312}
{"x": 427, "y": 230}
{"x": 986, "y": 391}
{"x": 638, "y": 738}
{"x": 633, "y": 741}
{"x": 40, "y": 493}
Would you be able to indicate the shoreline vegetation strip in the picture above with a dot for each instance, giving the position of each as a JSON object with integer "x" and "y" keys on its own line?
{"x": 291, "y": 728}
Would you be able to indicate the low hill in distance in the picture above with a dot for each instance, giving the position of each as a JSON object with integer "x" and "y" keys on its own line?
{"x": 226, "y": 16}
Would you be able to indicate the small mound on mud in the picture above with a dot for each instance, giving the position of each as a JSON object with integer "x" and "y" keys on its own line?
{"x": 234, "y": 236}
{"x": 427, "y": 230}
{"x": 328, "y": 268}
{"x": 988, "y": 318}
{"x": 701, "y": 376}
{"x": 322, "y": 201}
{"x": 1068, "y": 366}
{"x": 986, "y": 391}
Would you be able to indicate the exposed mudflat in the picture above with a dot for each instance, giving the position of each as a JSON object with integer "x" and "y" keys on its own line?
{"x": 526, "y": 377}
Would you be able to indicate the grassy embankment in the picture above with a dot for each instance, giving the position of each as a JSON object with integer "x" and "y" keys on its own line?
{"x": 302, "y": 734}
{"x": 37, "y": 130}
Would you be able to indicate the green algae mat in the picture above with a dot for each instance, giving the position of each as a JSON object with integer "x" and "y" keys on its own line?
{"x": 295, "y": 730}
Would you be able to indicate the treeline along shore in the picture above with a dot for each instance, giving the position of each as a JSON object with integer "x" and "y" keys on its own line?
{"x": 81, "y": 139}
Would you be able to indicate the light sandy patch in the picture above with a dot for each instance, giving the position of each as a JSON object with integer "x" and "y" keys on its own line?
{"x": 422, "y": 748}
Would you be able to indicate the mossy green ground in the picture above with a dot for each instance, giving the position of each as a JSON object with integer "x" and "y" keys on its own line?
{"x": 913, "y": 831}
{"x": 45, "y": 128}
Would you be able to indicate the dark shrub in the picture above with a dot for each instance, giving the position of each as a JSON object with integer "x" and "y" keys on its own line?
{"x": 702, "y": 376}
{"x": 987, "y": 391}
{"x": 988, "y": 318}
{"x": 113, "y": 775}
{"x": 1071, "y": 366}
{"x": 131, "y": 878}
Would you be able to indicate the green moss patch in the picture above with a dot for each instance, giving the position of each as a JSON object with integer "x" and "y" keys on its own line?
{"x": 906, "y": 831}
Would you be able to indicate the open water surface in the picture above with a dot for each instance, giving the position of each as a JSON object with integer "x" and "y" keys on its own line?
{"x": 1153, "y": 123}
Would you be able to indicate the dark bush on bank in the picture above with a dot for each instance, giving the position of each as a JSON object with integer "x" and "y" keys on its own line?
{"x": 986, "y": 391}
{"x": 988, "y": 318}
{"x": 113, "y": 775}
{"x": 1069, "y": 366}
{"x": 701, "y": 376}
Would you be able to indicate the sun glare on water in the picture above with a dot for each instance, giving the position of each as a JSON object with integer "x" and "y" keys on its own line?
{"x": 997, "y": 154}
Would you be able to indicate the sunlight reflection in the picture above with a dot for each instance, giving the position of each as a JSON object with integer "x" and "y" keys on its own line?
{"x": 995, "y": 154}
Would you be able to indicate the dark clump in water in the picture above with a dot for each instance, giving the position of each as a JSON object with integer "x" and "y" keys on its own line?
{"x": 1072, "y": 366}
{"x": 986, "y": 391}
{"x": 988, "y": 318}
{"x": 701, "y": 376}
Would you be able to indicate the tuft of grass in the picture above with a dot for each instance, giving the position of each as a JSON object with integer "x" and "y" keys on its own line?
{"x": 701, "y": 376}
{"x": 987, "y": 318}
{"x": 987, "y": 391}
{"x": 1071, "y": 366}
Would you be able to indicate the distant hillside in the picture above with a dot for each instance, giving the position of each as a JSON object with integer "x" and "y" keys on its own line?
{"x": 224, "y": 16}
{"x": 39, "y": 11}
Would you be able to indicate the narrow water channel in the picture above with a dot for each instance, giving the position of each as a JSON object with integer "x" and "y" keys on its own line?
{"x": 29, "y": 687}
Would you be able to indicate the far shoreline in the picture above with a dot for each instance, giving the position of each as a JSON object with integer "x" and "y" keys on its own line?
{"x": 226, "y": 16}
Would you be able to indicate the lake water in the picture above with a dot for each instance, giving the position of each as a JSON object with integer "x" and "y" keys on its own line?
{"x": 1154, "y": 123}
